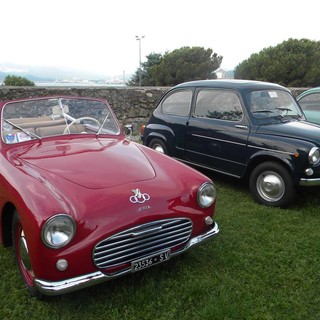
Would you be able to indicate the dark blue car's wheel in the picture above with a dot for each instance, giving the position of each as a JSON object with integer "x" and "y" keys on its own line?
{"x": 271, "y": 184}
{"x": 158, "y": 145}
{"x": 22, "y": 256}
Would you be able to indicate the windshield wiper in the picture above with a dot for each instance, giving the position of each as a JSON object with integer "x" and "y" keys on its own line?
{"x": 294, "y": 116}
{"x": 262, "y": 111}
{"x": 29, "y": 133}
{"x": 283, "y": 109}
{"x": 276, "y": 116}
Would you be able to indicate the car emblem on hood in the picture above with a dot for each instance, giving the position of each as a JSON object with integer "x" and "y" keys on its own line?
{"x": 139, "y": 197}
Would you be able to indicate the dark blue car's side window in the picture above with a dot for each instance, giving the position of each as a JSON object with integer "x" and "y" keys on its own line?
{"x": 218, "y": 104}
{"x": 178, "y": 103}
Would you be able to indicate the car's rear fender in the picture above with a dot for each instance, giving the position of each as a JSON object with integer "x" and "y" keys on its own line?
{"x": 153, "y": 135}
{"x": 159, "y": 131}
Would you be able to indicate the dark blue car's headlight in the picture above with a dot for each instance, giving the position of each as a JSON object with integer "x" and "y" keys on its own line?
{"x": 314, "y": 156}
{"x": 58, "y": 231}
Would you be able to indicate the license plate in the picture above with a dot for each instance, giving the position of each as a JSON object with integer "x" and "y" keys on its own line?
{"x": 149, "y": 261}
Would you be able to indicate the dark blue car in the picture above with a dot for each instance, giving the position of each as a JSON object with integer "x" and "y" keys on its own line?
{"x": 245, "y": 129}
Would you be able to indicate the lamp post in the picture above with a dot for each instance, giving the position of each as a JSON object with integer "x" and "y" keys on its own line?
{"x": 139, "y": 70}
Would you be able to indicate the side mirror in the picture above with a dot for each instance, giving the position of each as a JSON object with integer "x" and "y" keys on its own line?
{"x": 128, "y": 129}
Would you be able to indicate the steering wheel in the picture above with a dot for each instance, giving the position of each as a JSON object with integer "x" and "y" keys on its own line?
{"x": 66, "y": 130}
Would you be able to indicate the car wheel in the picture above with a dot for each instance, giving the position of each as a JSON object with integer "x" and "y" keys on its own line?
{"x": 158, "y": 145}
{"x": 271, "y": 184}
{"x": 22, "y": 256}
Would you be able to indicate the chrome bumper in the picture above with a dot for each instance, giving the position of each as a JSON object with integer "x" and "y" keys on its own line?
{"x": 309, "y": 182}
{"x": 77, "y": 283}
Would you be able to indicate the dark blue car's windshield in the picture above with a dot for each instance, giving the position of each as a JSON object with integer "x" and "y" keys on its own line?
{"x": 264, "y": 104}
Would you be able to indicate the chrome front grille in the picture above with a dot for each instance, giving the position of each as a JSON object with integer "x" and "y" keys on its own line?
{"x": 141, "y": 241}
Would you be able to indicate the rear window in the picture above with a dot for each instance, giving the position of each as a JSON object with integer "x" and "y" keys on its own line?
{"x": 178, "y": 103}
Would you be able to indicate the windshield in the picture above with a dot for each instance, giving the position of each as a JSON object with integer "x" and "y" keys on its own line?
{"x": 273, "y": 103}
{"x": 35, "y": 119}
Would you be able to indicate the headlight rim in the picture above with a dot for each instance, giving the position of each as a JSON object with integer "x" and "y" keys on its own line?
{"x": 45, "y": 229}
{"x": 200, "y": 191}
{"x": 311, "y": 155}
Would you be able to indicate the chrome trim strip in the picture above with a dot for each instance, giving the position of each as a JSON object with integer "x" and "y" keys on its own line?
{"x": 309, "y": 182}
{"x": 210, "y": 138}
{"x": 207, "y": 167}
{"x": 65, "y": 286}
{"x": 272, "y": 150}
{"x": 242, "y": 144}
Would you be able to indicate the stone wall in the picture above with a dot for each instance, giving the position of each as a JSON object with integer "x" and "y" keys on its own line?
{"x": 132, "y": 105}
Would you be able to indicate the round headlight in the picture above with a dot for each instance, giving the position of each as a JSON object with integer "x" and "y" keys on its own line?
{"x": 58, "y": 231}
{"x": 206, "y": 195}
{"x": 314, "y": 155}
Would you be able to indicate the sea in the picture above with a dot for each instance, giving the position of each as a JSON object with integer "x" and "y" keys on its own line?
{"x": 78, "y": 84}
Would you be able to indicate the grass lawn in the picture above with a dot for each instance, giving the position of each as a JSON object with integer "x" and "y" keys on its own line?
{"x": 263, "y": 265}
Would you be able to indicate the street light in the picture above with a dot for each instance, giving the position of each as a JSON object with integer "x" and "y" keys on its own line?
{"x": 139, "y": 70}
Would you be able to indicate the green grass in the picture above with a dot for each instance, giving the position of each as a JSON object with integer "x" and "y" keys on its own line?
{"x": 263, "y": 265}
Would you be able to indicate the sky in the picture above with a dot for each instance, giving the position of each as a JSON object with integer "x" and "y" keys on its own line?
{"x": 100, "y": 35}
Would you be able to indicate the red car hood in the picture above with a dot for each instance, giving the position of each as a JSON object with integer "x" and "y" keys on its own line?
{"x": 93, "y": 164}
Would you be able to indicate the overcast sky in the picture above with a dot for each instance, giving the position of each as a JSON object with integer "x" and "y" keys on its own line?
{"x": 99, "y": 35}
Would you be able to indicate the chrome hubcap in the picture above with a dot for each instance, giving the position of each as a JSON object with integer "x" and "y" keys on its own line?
{"x": 24, "y": 253}
{"x": 158, "y": 148}
{"x": 270, "y": 186}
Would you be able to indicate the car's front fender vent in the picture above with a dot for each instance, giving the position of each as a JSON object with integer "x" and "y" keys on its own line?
{"x": 140, "y": 241}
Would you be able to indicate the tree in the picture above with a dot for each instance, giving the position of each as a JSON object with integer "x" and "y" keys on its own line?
{"x": 145, "y": 73}
{"x": 17, "y": 81}
{"x": 292, "y": 63}
{"x": 180, "y": 65}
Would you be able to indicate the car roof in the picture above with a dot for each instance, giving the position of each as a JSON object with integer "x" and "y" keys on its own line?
{"x": 309, "y": 91}
{"x": 232, "y": 84}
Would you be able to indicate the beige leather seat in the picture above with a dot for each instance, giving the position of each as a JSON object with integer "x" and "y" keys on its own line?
{"x": 56, "y": 130}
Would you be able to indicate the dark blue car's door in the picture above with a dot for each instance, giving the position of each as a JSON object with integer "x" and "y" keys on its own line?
{"x": 217, "y": 132}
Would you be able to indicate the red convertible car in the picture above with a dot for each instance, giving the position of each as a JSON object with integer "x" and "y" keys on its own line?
{"x": 81, "y": 203}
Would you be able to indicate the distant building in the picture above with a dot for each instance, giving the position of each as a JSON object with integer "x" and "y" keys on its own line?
{"x": 223, "y": 74}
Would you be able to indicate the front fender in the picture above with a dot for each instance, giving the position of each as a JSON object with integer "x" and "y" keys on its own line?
{"x": 289, "y": 161}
